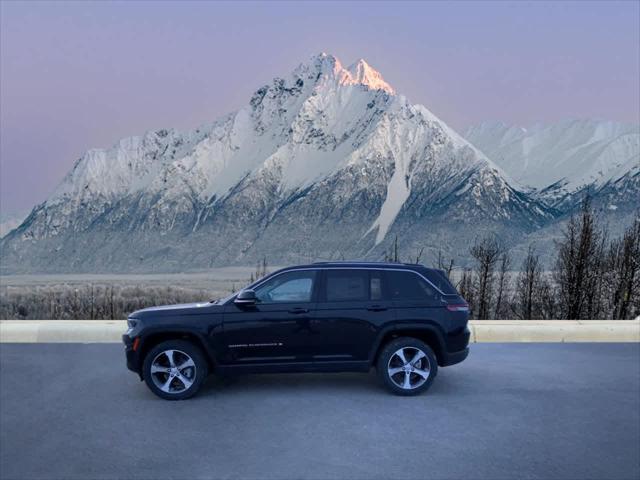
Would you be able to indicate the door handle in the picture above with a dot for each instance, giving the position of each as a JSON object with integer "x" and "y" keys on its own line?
{"x": 299, "y": 310}
{"x": 376, "y": 308}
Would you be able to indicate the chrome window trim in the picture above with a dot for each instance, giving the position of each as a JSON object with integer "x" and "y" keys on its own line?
{"x": 352, "y": 268}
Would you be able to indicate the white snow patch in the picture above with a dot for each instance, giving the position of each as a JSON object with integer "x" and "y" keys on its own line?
{"x": 397, "y": 193}
{"x": 466, "y": 187}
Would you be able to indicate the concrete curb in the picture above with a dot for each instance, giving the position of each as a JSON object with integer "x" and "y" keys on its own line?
{"x": 503, "y": 331}
{"x": 510, "y": 331}
{"x": 62, "y": 331}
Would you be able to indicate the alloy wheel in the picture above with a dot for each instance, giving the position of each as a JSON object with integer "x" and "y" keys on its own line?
{"x": 173, "y": 371}
{"x": 408, "y": 368}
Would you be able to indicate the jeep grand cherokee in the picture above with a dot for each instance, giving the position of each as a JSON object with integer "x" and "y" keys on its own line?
{"x": 405, "y": 320}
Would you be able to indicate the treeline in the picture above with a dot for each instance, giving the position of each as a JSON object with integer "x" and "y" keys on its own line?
{"x": 92, "y": 302}
{"x": 592, "y": 277}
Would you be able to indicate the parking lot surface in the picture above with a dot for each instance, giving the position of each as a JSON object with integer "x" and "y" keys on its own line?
{"x": 509, "y": 411}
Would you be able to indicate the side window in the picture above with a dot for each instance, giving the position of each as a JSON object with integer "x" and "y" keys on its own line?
{"x": 290, "y": 287}
{"x": 440, "y": 280}
{"x": 375, "y": 285}
{"x": 347, "y": 285}
{"x": 409, "y": 286}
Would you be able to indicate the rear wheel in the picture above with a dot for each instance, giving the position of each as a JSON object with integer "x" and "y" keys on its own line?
{"x": 175, "y": 369}
{"x": 407, "y": 366}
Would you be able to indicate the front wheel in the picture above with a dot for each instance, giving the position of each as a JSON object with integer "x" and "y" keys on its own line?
{"x": 407, "y": 366}
{"x": 175, "y": 369}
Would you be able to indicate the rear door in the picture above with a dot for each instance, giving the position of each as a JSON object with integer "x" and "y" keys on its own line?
{"x": 350, "y": 312}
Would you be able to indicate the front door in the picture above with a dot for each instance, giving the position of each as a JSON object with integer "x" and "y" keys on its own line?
{"x": 277, "y": 328}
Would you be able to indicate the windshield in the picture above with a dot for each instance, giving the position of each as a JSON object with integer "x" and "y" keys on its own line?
{"x": 222, "y": 301}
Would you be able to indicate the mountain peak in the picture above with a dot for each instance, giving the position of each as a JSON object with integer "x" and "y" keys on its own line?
{"x": 359, "y": 73}
{"x": 363, "y": 73}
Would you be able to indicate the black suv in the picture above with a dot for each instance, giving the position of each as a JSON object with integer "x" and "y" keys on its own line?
{"x": 404, "y": 319}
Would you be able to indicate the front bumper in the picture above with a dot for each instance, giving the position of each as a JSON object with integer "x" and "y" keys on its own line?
{"x": 133, "y": 359}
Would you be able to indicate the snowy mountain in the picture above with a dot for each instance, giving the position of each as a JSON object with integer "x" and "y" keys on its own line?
{"x": 9, "y": 221}
{"x": 328, "y": 162}
{"x": 563, "y": 161}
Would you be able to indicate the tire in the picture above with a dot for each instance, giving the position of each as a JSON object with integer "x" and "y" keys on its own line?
{"x": 177, "y": 375}
{"x": 396, "y": 366}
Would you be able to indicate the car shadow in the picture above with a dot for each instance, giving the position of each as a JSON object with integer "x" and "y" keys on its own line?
{"x": 329, "y": 383}
{"x": 289, "y": 382}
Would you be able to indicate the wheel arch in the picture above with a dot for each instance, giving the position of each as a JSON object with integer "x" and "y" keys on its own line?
{"x": 150, "y": 340}
{"x": 429, "y": 334}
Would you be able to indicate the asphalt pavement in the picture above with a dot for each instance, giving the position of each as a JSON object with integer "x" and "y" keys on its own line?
{"x": 547, "y": 411}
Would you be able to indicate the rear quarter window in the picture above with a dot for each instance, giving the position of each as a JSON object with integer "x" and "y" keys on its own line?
{"x": 440, "y": 280}
{"x": 408, "y": 286}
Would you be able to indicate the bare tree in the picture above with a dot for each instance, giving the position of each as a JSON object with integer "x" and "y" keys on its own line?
{"x": 393, "y": 255}
{"x": 261, "y": 270}
{"x": 465, "y": 288}
{"x": 92, "y": 302}
{"x": 486, "y": 253}
{"x": 623, "y": 266}
{"x": 547, "y": 299}
{"x": 112, "y": 305}
{"x": 576, "y": 267}
{"x": 594, "y": 283}
{"x": 528, "y": 287}
{"x": 447, "y": 267}
{"x": 396, "y": 256}
{"x": 502, "y": 287}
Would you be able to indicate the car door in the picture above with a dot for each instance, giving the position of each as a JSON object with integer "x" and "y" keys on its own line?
{"x": 277, "y": 328}
{"x": 350, "y": 313}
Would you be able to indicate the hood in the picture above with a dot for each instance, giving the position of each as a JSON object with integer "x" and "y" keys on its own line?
{"x": 170, "y": 310}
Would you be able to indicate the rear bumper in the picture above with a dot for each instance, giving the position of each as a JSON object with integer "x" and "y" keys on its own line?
{"x": 455, "y": 357}
{"x": 457, "y": 347}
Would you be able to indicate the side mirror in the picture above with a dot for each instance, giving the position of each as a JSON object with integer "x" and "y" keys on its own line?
{"x": 246, "y": 297}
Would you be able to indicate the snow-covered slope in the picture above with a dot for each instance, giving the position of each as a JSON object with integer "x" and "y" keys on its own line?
{"x": 563, "y": 159}
{"x": 9, "y": 221}
{"x": 327, "y": 162}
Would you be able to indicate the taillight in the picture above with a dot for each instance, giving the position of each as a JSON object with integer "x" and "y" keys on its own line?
{"x": 460, "y": 307}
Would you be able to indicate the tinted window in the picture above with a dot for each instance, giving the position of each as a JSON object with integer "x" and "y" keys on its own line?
{"x": 347, "y": 285}
{"x": 409, "y": 286}
{"x": 440, "y": 280}
{"x": 375, "y": 285}
{"x": 290, "y": 287}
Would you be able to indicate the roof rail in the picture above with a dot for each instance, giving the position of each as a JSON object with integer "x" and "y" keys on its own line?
{"x": 362, "y": 262}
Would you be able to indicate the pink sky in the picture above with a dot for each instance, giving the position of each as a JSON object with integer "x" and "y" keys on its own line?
{"x": 80, "y": 75}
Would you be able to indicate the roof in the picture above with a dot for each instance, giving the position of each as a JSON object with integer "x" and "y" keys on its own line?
{"x": 355, "y": 264}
